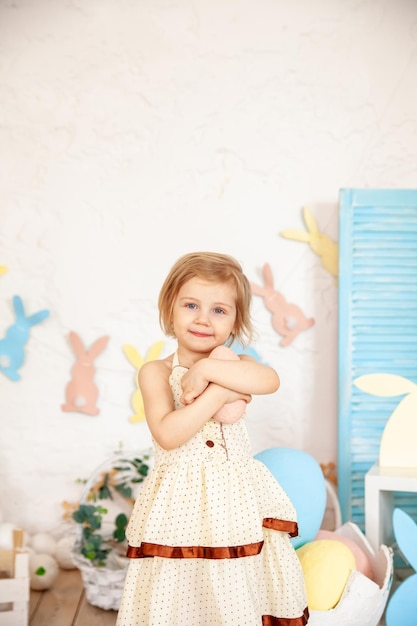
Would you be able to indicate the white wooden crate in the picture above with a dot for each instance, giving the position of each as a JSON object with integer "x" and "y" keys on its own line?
{"x": 14, "y": 586}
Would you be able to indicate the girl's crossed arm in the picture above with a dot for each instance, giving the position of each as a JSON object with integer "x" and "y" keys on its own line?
{"x": 169, "y": 427}
{"x": 244, "y": 375}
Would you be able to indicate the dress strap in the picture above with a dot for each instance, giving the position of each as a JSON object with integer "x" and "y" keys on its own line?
{"x": 177, "y": 372}
{"x": 175, "y": 361}
{"x": 176, "y": 364}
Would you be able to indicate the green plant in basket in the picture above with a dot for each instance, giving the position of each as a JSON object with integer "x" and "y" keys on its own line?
{"x": 115, "y": 483}
{"x": 93, "y": 546}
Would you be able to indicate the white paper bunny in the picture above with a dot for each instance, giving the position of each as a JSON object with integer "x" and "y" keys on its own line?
{"x": 12, "y": 346}
{"x": 287, "y": 319}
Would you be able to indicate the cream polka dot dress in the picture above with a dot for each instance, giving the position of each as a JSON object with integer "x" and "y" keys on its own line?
{"x": 209, "y": 537}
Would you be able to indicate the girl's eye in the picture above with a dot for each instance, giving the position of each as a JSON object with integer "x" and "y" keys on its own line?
{"x": 191, "y": 305}
{"x": 218, "y": 310}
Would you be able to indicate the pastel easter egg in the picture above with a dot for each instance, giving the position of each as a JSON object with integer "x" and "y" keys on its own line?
{"x": 363, "y": 562}
{"x": 326, "y": 565}
{"x": 302, "y": 479}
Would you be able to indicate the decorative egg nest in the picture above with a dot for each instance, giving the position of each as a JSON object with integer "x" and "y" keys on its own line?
{"x": 101, "y": 518}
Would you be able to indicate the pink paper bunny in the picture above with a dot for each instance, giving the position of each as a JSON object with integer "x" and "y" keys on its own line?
{"x": 232, "y": 411}
{"x": 287, "y": 319}
{"x": 81, "y": 392}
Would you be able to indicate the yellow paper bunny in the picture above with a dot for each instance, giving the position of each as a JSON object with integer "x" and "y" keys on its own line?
{"x": 398, "y": 441}
{"x": 3, "y": 269}
{"x": 320, "y": 243}
{"x": 137, "y": 361}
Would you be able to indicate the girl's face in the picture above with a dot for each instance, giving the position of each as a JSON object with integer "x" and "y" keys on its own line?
{"x": 204, "y": 314}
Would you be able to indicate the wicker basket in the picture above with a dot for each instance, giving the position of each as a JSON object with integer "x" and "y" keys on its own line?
{"x": 104, "y": 584}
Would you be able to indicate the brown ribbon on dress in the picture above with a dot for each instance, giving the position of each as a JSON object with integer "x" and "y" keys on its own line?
{"x": 209, "y": 552}
{"x": 282, "y": 525}
{"x": 269, "y": 620}
{"x": 193, "y": 552}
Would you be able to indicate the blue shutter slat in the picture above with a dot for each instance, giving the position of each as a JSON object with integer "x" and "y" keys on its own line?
{"x": 377, "y": 326}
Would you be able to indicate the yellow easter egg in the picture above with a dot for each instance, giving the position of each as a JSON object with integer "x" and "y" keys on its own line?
{"x": 327, "y": 566}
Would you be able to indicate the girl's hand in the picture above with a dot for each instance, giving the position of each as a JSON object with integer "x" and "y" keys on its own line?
{"x": 193, "y": 384}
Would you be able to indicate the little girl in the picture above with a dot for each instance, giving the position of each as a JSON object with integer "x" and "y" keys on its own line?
{"x": 209, "y": 536}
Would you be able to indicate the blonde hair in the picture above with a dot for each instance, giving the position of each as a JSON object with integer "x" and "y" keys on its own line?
{"x": 212, "y": 267}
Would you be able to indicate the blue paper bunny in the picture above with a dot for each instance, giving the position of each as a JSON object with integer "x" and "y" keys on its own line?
{"x": 12, "y": 351}
{"x": 402, "y": 607}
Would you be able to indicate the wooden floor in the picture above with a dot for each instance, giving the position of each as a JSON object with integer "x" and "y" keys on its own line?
{"x": 65, "y": 604}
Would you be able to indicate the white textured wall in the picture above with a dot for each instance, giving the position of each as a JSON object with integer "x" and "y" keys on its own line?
{"x": 134, "y": 131}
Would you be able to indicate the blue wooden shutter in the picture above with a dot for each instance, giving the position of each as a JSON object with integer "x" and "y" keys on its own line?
{"x": 377, "y": 327}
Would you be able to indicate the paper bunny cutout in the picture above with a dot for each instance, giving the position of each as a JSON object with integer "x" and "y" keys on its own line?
{"x": 402, "y": 606}
{"x": 232, "y": 411}
{"x": 81, "y": 392}
{"x": 320, "y": 243}
{"x": 12, "y": 353}
{"x": 137, "y": 361}
{"x": 287, "y": 319}
{"x": 398, "y": 442}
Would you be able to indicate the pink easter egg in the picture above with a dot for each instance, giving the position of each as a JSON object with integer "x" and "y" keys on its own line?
{"x": 363, "y": 563}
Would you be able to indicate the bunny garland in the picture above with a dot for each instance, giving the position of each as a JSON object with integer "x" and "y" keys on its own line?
{"x": 137, "y": 361}
{"x": 287, "y": 319}
{"x": 402, "y": 606}
{"x": 12, "y": 346}
{"x": 320, "y": 243}
{"x": 81, "y": 392}
{"x": 398, "y": 442}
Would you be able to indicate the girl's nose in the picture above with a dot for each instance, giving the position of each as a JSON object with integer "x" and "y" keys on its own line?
{"x": 202, "y": 317}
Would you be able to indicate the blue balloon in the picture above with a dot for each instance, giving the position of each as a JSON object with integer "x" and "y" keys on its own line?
{"x": 302, "y": 479}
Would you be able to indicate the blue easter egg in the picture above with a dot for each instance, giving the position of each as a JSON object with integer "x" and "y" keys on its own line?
{"x": 301, "y": 477}
{"x": 402, "y": 607}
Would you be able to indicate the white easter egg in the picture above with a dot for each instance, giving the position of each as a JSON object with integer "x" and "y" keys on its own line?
{"x": 6, "y": 535}
{"x": 63, "y": 552}
{"x": 43, "y": 570}
{"x": 43, "y": 543}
